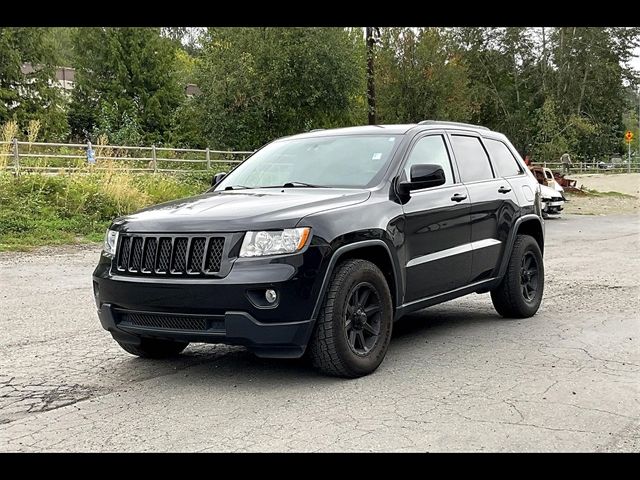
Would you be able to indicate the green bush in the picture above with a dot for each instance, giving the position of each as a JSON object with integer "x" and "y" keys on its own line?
{"x": 46, "y": 210}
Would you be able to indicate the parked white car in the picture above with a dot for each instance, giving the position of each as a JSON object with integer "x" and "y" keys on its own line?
{"x": 552, "y": 200}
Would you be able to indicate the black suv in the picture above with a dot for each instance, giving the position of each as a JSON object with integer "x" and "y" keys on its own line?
{"x": 319, "y": 241}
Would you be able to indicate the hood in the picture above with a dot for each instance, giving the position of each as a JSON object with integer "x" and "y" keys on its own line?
{"x": 557, "y": 187}
{"x": 239, "y": 210}
{"x": 548, "y": 192}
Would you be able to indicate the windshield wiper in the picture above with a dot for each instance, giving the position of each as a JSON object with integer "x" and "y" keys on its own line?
{"x": 285, "y": 185}
{"x": 301, "y": 184}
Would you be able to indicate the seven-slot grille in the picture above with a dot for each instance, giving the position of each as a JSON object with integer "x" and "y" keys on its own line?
{"x": 169, "y": 255}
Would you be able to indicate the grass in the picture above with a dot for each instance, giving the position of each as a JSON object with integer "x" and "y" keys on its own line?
{"x": 40, "y": 209}
{"x": 597, "y": 193}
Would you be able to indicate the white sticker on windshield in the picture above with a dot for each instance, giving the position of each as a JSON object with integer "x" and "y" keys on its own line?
{"x": 377, "y": 156}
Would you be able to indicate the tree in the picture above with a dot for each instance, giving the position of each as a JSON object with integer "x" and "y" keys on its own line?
{"x": 505, "y": 78}
{"x": 418, "y": 77}
{"x": 185, "y": 38}
{"x": 60, "y": 40}
{"x": 262, "y": 83}
{"x": 126, "y": 84}
{"x": 558, "y": 88}
{"x": 590, "y": 74}
{"x": 33, "y": 95}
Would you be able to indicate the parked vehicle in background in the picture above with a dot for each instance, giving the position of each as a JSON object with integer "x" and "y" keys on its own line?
{"x": 318, "y": 242}
{"x": 552, "y": 201}
{"x": 605, "y": 166}
{"x": 546, "y": 177}
{"x": 552, "y": 192}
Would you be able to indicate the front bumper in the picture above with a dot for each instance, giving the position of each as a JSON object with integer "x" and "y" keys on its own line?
{"x": 281, "y": 340}
{"x": 279, "y": 330}
{"x": 552, "y": 205}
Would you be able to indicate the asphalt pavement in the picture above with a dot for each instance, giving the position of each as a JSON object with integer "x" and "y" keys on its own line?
{"x": 457, "y": 376}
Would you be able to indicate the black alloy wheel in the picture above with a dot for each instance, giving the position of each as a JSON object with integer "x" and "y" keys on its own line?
{"x": 363, "y": 318}
{"x": 355, "y": 323}
{"x": 519, "y": 293}
{"x": 529, "y": 276}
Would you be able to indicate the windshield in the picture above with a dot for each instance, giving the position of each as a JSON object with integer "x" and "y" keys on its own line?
{"x": 337, "y": 161}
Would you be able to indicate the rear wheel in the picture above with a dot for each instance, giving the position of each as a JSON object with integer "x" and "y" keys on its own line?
{"x": 154, "y": 348}
{"x": 520, "y": 292}
{"x": 353, "y": 328}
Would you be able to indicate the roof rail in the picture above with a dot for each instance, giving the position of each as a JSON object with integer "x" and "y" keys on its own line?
{"x": 459, "y": 124}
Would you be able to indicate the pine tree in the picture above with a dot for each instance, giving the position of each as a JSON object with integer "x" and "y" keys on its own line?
{"x": 126, "y": 84}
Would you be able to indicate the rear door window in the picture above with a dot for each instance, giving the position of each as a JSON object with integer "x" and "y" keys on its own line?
{"x": 472, "y": 159}
{"x": 502, "y": 158}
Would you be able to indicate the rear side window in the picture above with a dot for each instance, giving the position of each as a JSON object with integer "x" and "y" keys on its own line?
{"x": 473, "y": 161}
{"x": 432, "y": 150}
{"x": 502, "y": 158}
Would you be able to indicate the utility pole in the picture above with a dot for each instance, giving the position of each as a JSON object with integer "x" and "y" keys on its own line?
{"x": 371, "y": 87}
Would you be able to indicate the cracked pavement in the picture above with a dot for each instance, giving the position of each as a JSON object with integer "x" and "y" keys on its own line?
{"x": 457, "y": 376}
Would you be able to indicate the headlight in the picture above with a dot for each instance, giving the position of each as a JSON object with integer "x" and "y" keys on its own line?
{"x": 110, "y": 243}
{"x": 257, "y": 244}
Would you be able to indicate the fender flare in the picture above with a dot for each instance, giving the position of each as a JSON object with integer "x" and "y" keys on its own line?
{"x": 334, "y": 260}
{"x": 512, "y": 239}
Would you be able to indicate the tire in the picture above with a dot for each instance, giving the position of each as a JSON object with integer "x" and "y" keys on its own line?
{"x": 153, "y": 348}
{"x": 512, "y": 298}
{"x": 334, "y": 348}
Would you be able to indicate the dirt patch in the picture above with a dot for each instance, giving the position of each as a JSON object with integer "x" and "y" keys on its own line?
{"x": 628, "y": 183}
{"x": 599, "y": 204}
{"x": 605, "y": 194}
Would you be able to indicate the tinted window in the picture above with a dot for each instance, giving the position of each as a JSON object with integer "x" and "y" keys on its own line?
{"x": 430, "y": 150}
{"x": 502, "y": 158}
{"x": 472, "y": 159}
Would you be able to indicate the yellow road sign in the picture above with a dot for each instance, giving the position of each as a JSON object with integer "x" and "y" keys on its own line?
{"x": 628, "y": 136}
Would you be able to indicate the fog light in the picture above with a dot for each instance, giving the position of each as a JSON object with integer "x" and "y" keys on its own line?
{"x": 271, "y": 296}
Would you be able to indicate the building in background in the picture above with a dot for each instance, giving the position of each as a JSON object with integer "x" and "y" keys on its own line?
{"x": 65, "y": 78}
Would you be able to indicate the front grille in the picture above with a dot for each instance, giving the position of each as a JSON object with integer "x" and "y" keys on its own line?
{"x": 170, "y": 321}
{"x": 169, "y": 255}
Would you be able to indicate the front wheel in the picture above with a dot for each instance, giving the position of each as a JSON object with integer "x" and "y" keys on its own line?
{"x": 353, "y": 328}
{"x": 519, "y": 294}
{"x": 154, "y": 348}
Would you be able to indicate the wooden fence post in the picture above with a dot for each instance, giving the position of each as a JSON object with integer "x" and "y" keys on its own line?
{"x": 16, "y": 157}
{"x": 208, "y": 157}
{"x": 154, "y": 159}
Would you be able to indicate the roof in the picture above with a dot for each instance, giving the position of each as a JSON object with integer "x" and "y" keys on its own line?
{"x": 360, "y": 130}
{"x": 66, "y": 73}
{"x": 442, "y": 123}
{"x": 395, "y": 129}
{"x": 191, "y": 89}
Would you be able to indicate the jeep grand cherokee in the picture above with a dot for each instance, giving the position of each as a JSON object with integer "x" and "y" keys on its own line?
{"x": 318, "y": 242}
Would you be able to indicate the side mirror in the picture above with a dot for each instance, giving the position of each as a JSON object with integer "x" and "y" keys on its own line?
{"x": 423, "y": 175}
{"x": 217, "y": 178}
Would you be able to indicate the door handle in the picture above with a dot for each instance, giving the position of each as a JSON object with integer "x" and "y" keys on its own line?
{"x": 458, "y": 197}
{"x": 504, "y": 190}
